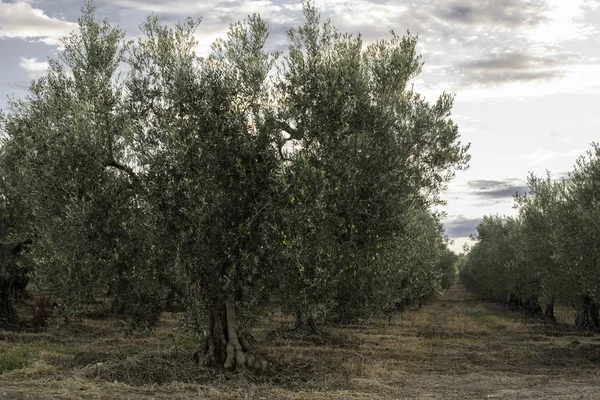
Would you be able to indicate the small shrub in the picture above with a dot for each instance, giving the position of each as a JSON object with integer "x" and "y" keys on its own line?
{"x": 14, "y": 358}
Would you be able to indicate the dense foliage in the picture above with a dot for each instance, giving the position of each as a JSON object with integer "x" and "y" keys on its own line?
{"x": 218, "y": 184}
{"x": 550, "y": 251}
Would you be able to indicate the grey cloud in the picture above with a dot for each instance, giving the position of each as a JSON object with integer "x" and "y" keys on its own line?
{"x": 463, "y": 20}
{"x": 461, "y": 226}
{"x": 448, "y": 30}
{"x": 515, "y": 66}
{"x": 513, "y": 76}
{"x": 510, "y": 61}
{"x": 497, "y": 190}
{"x": 508, "y": 13}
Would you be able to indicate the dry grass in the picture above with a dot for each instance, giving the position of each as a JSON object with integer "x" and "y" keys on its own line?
{"x": 455, "y": 348}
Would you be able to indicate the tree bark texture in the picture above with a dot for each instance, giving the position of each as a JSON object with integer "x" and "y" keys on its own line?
{"x": 225, "y": 347}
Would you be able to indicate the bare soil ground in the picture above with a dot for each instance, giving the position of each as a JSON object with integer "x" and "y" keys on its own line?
{"x": 457, "y": 347}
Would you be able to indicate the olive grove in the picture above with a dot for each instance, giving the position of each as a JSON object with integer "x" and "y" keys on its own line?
{"x": 219, "y": 184}
{"x": 549, "y": 252}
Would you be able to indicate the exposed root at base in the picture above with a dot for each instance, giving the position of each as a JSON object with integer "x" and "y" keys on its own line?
{"x": 224, "y": 347}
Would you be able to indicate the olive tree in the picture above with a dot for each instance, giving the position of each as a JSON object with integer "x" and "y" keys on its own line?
{"x": 539, "y": 213}
{"x": 579, "y": 247}
{"x": 550, "y": 251}
{"x": 448, "y": 267}
{"x": 491, "y": 258}
{"x": 204, "y": 144}
{"x": 67, "y": 145}
{"x": 381, "y": 149}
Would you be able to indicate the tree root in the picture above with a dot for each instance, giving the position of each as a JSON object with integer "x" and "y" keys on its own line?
{"x": 224, "y": 347}
{"x": 239, "y": 355}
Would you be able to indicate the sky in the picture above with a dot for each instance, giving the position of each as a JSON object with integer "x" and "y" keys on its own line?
{"x": 526, "y": 73}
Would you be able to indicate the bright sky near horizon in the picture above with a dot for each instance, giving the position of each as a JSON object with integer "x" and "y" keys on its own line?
{"x": 526, "y": 73}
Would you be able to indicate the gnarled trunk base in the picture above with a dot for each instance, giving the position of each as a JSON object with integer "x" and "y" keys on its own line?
{"x": 225, "y": 347}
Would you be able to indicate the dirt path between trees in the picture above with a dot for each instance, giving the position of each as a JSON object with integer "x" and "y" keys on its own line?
{"x": 471, "y": 349}
{"x": 457, "y": 347}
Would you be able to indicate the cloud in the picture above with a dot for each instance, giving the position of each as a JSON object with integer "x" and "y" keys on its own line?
{"x": 461, "y": 226}
{"x": 509, "y": 43}
{"x": 469, "y": 23}
{"x": 502, "y": 40}
{"x": 218, "y": 14}
{"x": 511, "y": 66}
{"x": 504, "y": 43}
{"x": 215, "y": 11}
{"x": 21, "y": 20}
{"x": 171, "y": 7}
{"x": 436, "y": 15}
{"x": 507, "y": 13}
{"x": 511, "y": 60}
{"x": 564, "y": 21}
{"x": 496, "y": 189}
{"x": 34, "y": 67}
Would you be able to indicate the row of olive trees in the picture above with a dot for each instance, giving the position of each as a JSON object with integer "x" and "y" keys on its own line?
{"x": 217, "y": 183}
{"x": 550, "y": 252}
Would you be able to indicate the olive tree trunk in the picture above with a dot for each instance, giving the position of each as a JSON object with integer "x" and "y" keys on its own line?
{"x": 13, "y": 284}
{"x": 7, "y": 309}
{"x": 588, "y": 317}
{"x": 20, "y": 286}
{"x": 549, "y": 310}
{"x": 225, "y": 347}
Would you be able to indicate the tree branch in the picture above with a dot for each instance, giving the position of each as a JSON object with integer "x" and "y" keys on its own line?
{"x": 129, "y": 171}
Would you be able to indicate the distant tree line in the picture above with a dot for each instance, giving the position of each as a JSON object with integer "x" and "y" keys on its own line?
{"x": 216, "y": 184}
{"x": 550, "y": 252}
